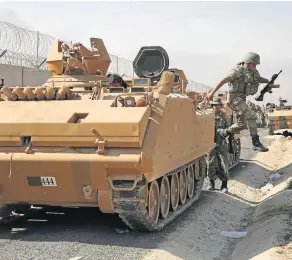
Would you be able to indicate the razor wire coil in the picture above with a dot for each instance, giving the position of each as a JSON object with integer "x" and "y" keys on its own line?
{"x": 26, "y": 48}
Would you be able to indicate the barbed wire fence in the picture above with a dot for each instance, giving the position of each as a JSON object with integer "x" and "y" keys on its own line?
{"x": 21, "y": 47}
{"x": 25, "y": 48}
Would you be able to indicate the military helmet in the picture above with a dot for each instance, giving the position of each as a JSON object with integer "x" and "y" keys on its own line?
{"x": 216, "y": 101}
{"x": 252, "y": 57}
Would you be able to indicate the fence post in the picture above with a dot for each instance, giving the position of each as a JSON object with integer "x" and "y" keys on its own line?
{"x": 117, "y": 64}
{"x": 22, "y": 76}
{"x": 38, "y": 42}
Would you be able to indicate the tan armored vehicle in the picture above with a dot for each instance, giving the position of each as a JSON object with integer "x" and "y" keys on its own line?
{"x": 140, "y": 154}
{"x": 279, "y": 117}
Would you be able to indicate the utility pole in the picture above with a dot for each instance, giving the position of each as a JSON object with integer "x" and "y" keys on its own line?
{"x": 117, "y": 64}
{"x": 37, "y": 50}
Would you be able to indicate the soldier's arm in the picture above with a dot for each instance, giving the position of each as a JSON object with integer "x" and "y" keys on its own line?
{"x": 228, "y": 131}
{"x": 260, "y": 78}
{"x": 227, "y": 79}
{"x": 227, "y": 121}
{"x": 223, "y": 132}
{"x": 219, "y": 85}
{"x": 263, "y": 80}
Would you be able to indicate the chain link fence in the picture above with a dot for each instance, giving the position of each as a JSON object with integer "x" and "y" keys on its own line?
{"x": 24, "y": 48}
{"x": 28, "y": 49}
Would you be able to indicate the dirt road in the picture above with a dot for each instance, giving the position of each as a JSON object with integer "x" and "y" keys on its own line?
{"x": 74, "y": 234}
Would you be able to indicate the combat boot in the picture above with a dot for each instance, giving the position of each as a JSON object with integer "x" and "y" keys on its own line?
{"x": 257, "y": 145}
{"x": 224, "y": 188}
{"x": 212, "y": 185}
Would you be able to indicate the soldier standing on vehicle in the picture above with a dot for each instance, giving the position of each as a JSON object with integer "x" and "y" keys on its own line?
{"x": 116, "y": 81}
{"x": 243, "y": 81}
{"x": 259, "y": 114}
{"x": 217, "y": 158}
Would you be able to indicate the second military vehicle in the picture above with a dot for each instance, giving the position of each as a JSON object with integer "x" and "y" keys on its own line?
{"x": 279, "y": 117}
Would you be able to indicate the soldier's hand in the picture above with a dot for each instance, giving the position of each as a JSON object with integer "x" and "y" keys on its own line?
{"x": 233, "y": 129}
{"x": 275, "y": 86}
{"x": 222, "y": 132}
{"x": 228, "y": 131}
{"x": 210, "y": 96}
{"x": 206, "y": 100}
{"x": 231, "y": 135}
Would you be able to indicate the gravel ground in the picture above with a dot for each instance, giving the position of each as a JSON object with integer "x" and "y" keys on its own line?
{"x": 75, "y": 234}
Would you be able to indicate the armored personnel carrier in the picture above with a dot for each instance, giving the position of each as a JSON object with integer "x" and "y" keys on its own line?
{"x": 279, "y": 117}
{"x": 139, "y": 153}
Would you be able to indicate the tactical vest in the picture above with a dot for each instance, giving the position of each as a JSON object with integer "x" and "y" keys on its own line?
{"x": 245, "y": 82}
{"x": 220, "y": 122}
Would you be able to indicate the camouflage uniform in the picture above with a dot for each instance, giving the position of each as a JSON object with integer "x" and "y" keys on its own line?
{"x": 242, "y": 83}
{"x": 217, "y": 158}
{"x": 260, "y": 116}
{"x": 264, "y": 116}
{"x": 115, "y": 78}
{"x": 252, "y": 106}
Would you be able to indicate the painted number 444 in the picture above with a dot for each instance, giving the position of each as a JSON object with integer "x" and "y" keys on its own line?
{"x": 48, "y": 181}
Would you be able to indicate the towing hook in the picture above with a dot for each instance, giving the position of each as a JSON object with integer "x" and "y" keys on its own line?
{"x": 100, "y": 141}
{"x": 97, "y": 134}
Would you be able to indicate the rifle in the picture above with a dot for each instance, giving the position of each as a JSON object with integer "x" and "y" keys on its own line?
{"x": 268, "y": 88}
{"x": 230, "y": 146}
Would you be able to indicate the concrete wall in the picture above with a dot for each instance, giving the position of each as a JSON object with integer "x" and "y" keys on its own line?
{"x": 19, "y": 76}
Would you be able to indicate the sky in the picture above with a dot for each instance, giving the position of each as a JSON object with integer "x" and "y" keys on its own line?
{"x": 205, "y": 39}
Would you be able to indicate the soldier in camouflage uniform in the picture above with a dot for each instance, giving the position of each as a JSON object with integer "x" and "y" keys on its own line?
{"x": 264, "y": 116}
{"x": 217, "y": 158}
{"x": 259, "y": 114}
{"x": 117, "y": 81}
{"x": 243, "y": 81}
{"x": 253, "y": 107}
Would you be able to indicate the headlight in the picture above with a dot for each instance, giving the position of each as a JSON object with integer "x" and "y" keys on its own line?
{"x": 129, "y": 102}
